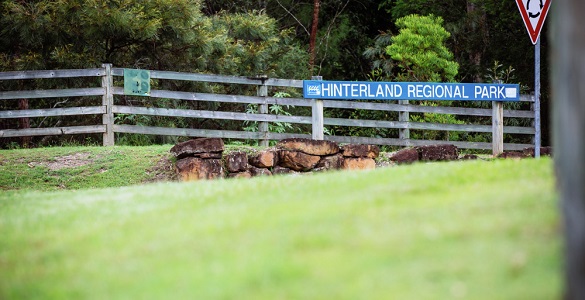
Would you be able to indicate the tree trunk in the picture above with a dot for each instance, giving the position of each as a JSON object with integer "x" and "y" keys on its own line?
{"x": 24, "y": 123}
{"x": 313, "y": 37}
{"x": 568, "y": 64}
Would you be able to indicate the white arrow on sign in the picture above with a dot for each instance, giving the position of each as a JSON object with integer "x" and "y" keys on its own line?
{"x": 533, "y": 14}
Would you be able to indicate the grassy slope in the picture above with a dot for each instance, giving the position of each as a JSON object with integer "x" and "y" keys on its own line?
{"x": 476, "y": 230}
{"x": 108, "y": 167}
{"x": 27, "y": 169}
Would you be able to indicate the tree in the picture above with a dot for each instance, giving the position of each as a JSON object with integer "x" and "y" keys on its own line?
{"x": 419, "y": 53}
{"x": 159, "y": 35}
{"x": 345, "y": 28}
{"x": 419, "y": 50}
{"x": 314, "y": 28}
{"x": 482, "y": 31}
{"x": 381, "y": 64}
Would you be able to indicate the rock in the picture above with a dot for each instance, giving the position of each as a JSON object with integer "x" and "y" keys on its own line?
{"x": 297, "y": 161}
{"x": 194, "y": 168}
{"x": 282, "y": 170}
{"x": 469, "y": 157}
{"x": 216, "y": 155}
{"x": 358, "y": 163}
{"x": 236, "y": 162}
{"x": 245, "y": 174}
{"x": 353, "y": 150}
{"x": 437, "y": 152}
{"x": 197, "y": 146}
{"x": 308, "y": 146}
{"x": 260, "y": 172}
{"x": 512, "y": 154}
{"x": 405, "y": 156}
{"x": 383, "y": 161}
{"x": 544, "y": 151}
{"x": 264, "y": 159}
{"x": 331, "y": 162}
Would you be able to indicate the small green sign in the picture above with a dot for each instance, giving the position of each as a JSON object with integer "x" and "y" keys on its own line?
{"x": 136, "y": 82}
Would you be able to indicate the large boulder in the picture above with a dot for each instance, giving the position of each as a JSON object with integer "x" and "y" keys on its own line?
{"x": 198, "y": 147}
{"x": 438, "y": 152}
{"x": 405, "y": 156}
{"x": 358, "y": 163}
{"x": 194, "y": 168}
{"x": 308, "y": 146}
{"x": 298, "y": 161}
{"x": 236, "y": 162}
{"x": 355, "y": 150}
{"x": 264, "y": 159}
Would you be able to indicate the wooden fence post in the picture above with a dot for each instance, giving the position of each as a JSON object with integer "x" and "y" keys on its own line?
{"x": 317, "y": 116}
{"x": 108, "y": 102}
{"x": 403, "y": 116}
{"x": 262, "y": 91}
{"x": 497, "y": 128}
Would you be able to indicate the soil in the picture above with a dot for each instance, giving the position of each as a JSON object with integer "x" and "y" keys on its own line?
{"x": 67, "y": 161}
{"x": 163, "y": 170}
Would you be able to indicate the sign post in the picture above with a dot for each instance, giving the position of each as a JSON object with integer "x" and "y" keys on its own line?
{"x": 317, "y": 116}
{"x": 537, "y": 128}
{"x": 533, "y": 14}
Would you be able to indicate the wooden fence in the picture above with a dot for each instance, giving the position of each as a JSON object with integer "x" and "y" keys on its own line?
{"x": 108, "y": 110}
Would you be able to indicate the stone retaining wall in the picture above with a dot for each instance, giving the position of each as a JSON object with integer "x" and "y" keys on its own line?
{"x": 204, "y": 158}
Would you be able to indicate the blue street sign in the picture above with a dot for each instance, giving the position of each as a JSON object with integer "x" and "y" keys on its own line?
{"x": 370, "y": 90}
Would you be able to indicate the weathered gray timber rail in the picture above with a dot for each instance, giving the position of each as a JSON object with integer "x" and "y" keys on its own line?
{"x": 108, "y": 110}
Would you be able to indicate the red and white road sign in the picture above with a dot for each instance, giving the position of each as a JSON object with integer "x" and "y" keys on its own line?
{"x": 533, "y": 13}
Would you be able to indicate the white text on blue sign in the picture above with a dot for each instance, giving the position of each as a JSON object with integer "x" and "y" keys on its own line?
{"x": 315, "y": 89}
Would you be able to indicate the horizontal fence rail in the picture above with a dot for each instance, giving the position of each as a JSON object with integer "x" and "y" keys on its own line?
{"x": 108, "y": 110}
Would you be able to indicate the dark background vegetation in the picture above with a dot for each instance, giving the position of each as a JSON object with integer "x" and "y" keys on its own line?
{"x": 245, "y": 38}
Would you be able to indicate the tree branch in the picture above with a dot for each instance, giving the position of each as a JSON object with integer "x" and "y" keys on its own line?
{"x": 291, "y": 14}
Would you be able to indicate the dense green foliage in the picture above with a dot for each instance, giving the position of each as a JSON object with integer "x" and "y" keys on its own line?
{"x": 485, "y": 33}
{"x": 419, "y": 50}
{"x": 179, "y": 35}
{"x": 477, "y": 230}
{"x": 158, "y": 35}
{"x": 345, "y": 29}
{"x": 482, "y": 31}
{"x": 249, "y": 38}
{"x": 420, "y": 55}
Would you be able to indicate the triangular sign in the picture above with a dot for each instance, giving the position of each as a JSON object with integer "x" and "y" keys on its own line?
{"x": 533, "y": 13}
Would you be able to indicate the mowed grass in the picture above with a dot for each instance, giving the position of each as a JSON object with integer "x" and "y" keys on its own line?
{"x": 460, "y": 230}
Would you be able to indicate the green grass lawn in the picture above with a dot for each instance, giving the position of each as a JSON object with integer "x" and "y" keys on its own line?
{"x": 460, "y": 230}
{"x": 59, "y": 168}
